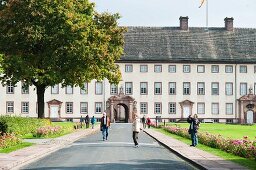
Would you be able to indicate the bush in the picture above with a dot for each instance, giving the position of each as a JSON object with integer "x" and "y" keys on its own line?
{"x": 47, "y": 131}
{"x": 8, "y": 139}
{"x": 21, "y": 125}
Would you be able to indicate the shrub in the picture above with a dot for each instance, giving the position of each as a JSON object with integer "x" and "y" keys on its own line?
{"x": 8, "y": 139}
{"x": 47, "y": 131}
{"x": 21, "y": 125}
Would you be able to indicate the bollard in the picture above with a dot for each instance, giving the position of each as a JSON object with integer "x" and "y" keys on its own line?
{"x": 164, "y": 122}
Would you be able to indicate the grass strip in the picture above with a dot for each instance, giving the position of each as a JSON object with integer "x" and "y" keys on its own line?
{"x": 251, "y": 164}
{"x": 16, "y": 147}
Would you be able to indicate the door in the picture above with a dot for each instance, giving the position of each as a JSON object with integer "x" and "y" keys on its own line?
{"x": 186, "y": 111}
{"x": 249, "y": 117}
{"x": 54, "y": 112}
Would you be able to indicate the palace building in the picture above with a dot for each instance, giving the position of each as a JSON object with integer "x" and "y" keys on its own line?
{"x": 167, "y": 72}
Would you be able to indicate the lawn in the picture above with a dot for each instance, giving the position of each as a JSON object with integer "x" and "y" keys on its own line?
{"x": 251, "y": 164}
{"x": 226, "y": 130}
{"x": 16, "y": 147}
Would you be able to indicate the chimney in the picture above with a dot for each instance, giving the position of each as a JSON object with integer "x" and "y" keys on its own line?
{"x": 184, "y": 23}
{"x": 229, "y": 24}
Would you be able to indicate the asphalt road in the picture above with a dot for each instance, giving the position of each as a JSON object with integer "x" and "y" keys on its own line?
{"x": 117, "y": 153}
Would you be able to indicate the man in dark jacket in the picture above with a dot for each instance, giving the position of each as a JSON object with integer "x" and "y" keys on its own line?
{"x": 104, "y": 125}
{"x": 193, "y": 128}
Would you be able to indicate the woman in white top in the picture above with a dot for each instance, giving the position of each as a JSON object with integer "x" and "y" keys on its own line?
{"x": 135, "y": 129}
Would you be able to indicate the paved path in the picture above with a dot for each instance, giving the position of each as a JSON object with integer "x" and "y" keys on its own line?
{"x": 16, "y": 159}
{"x": 203, "y": 159}
{"x": 117, "y": 153}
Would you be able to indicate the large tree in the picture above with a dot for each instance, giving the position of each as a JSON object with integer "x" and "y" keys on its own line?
{"x": 47, "y": 42}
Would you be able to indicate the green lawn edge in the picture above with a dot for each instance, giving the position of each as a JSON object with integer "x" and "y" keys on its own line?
{"x": 16, "y": 147}
{"x": 251, "y": 164}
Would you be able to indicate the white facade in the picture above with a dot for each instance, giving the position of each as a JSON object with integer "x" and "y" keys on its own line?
{"x": 205, "y": 104}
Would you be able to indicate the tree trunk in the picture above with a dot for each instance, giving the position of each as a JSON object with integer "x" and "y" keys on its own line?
{"x": 40, "y": 100}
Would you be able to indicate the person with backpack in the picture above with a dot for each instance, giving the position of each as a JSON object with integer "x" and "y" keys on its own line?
{"x": 193, "y": 128}
{"x": 93, "y": 121}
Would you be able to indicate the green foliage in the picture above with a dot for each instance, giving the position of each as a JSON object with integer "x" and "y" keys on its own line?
{"x": 48, "y": 42}
{"x": 21, "y": 125}
{"x": 15, "y": 147}
{"x": 9, "y": 139}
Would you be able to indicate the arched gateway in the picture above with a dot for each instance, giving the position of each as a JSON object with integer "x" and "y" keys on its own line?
{"x": 120, "y": 108}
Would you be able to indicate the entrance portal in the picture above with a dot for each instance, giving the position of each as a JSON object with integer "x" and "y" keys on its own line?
{"x": 121, "y": 113}
{"x": 121, "y": 107}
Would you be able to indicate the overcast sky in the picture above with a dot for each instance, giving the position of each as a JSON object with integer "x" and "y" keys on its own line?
{"x": 167, "y": 12}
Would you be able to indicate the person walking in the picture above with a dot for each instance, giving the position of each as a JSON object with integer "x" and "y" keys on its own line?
{"x": 144, "y": 122}
{"x": 81, "y": 122}
{"x": 148, "y": 122}
{"x": 93, "y": 121}
{"x": 104, "y": 125}
{"x": 87, "y": 121}
{"x": 135, "y": 129}
{"x": 193, "y": 128}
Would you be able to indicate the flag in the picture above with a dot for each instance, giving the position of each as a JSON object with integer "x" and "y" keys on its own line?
{"x": 201, "y": 3}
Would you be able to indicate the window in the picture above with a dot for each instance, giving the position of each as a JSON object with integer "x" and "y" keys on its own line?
{"x": 243, "y": 89}
{"x": 143, "y": 88}
{"x": 143, "y": 108}
{"x": 55, "y": 89}
{"x": 243, "y": 69}
{"x": 24, "y": 88}
{"x": 84, "y": 89}
{"x": 69, "y": 107}
{"x": 200, "y": 88}
{"x": 24, "y": 107}
{"x": 200, "y": 108}
{"x": 229, "y": 89}
{"x": 172, "y": 88}
{"x": 229, "y": 108}
{"x": 172, "y": 69}
{"x": 158, "y": 108}
{"x": 254, "y": 88}
{"x": 9, "y": 107}
{"x": 200, "y": 69}
{"x": 143, "y": 68}
{"x": 113, "y": 89}
{"x": 158, "y": 88}
{"x": 229, "y": 121}
{"x": 215, "y": 108}
{"x": 186, "y": 88}
{"x": 229, "y": 69}
{"x": 98, "y": 88}
{"x": 158, "y": 68}
{"x": 98, "y": 107}
{"x": 128, "y": 68}
{"x": 186, "y": 68}
{"x": 215, "y": 88}
{"x": 10, "y": 89}
{"x": 215, "y": 68}
{"x": 84, "y": 108}
{"x": 69, "y": 90}
{"x": 128, "y": 88}
{"x": 172, "y": 108}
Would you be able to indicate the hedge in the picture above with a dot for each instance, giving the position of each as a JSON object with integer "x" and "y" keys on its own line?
{"x": 21, "y": 125}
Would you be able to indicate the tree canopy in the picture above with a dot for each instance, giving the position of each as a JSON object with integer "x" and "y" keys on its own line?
{"x": 47, "y": 42}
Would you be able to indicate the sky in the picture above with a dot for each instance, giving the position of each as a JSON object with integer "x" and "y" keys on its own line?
{"x": 167, "y": 12}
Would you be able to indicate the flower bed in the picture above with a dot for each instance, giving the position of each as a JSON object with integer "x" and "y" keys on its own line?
{"x": 245, "y": 148}
{"x": 8, "y": 139}
{"x": 47, "y": 131}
